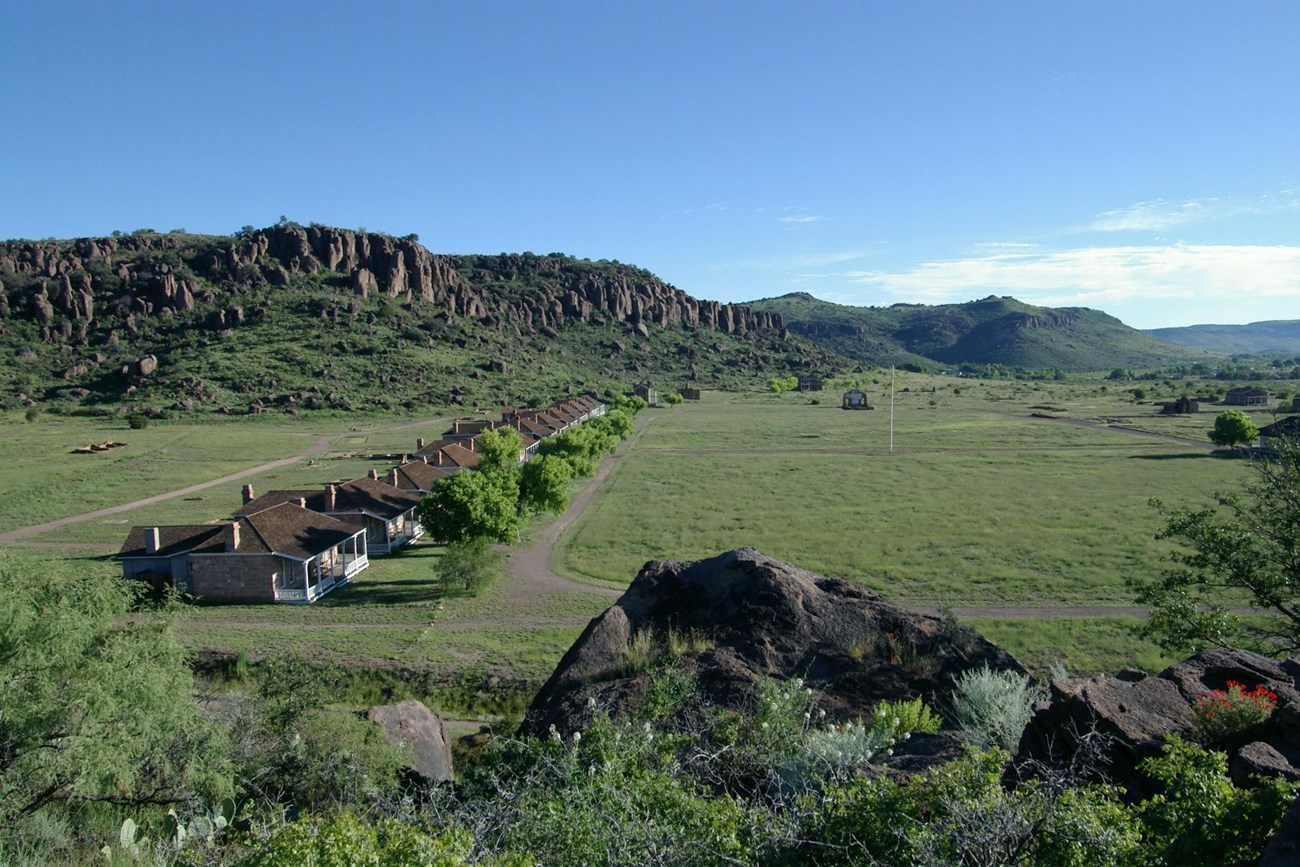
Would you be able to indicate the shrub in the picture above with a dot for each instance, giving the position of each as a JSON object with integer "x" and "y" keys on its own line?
{"x": 993, "y": 707}
{"x": 1223, "y": 713}
{"x": 1199, "y": 817}
{"x": 833, "y": 753}
{"x": 640, "y": 653}
{"x": 469, "y": 565}
{"x": 137, "y": 422}
{"x": 33, "y": 413}
{"x": 905, "y": 717}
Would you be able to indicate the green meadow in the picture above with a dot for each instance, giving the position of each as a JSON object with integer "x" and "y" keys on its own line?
{"x": 1017, "y": 504}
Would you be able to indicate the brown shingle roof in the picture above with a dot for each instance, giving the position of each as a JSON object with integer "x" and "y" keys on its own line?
{"x": 287, "y": 530}
{"x": 171, "y": 540}
{"x": 367, "y": 496}
{"x": 419, "y": 476}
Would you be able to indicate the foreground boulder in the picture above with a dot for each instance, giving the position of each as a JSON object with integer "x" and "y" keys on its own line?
{"x": 412, "y": 726}
{"x": 732, "y": 619}
{"x": 1125, "y": 718}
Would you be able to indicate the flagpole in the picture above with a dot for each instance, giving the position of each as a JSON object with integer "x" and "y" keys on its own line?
{"x": 891, "y": 409}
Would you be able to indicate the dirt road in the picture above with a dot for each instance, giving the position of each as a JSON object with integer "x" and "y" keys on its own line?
{"x": 12, "y": 537}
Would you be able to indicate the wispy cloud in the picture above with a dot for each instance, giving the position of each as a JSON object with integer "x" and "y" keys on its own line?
{"x": 1151, "y": 216}
{"x": 795, "y": 262}
{"x": 1159, "y": 215}
{"x": 1100, "y": 276}
{"x": 802, "y": 218}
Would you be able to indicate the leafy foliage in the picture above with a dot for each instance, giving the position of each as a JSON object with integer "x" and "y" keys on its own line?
{"x": 1233, "y": 428}
{"x": 468, "y": 504}
{"x": 345, "y": 840}
{"x": 1221, "y": 713}
{"x": 469, "y": 565}
{"x": 1200, "y": 818}
{"x": 94, "y": 707}
{"x": 1244, "y": 552}
{"x": 544, "y": 485}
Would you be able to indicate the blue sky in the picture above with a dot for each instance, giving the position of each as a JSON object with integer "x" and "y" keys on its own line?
{"x": 1142, "y": 158}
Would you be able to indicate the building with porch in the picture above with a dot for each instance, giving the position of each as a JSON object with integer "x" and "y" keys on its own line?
{"x": 285, "y": 553}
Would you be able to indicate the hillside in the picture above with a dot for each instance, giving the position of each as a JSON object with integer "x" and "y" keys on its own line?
{"x": 1277, "y": 335}
{"x": 993, "y": 330}
{"x": 294, "y": 317}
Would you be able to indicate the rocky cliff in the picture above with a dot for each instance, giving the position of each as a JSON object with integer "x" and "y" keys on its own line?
{"x": 320, "y": 317}
{"x": 63, "y": 285}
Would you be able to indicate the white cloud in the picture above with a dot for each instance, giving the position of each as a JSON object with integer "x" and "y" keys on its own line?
{"x": 1159, "y": 215}
{"x": 1102, "y": 277}
{"x": 1151, "y": 216}
{"x": 802, "y": 218}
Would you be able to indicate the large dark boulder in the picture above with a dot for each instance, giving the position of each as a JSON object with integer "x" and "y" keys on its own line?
{"x": 758, "y": 617}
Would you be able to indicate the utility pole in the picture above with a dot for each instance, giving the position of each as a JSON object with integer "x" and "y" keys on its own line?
{"x": 891, "y": 409}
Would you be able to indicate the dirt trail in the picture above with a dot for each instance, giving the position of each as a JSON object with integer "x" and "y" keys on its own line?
{"x": 530, "y": 570}
{"x": 12, "y": 537}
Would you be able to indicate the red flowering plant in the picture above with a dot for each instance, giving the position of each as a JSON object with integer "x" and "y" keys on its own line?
{"x": 1222, "y": 713}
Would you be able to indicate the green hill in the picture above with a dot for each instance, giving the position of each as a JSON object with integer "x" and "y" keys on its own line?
{"x": 293, "y": 318}
{"x": 1277, "y": 335}
{"x": 993, "y": 330}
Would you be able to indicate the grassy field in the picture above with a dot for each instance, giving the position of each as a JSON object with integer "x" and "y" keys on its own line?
{"x": 980, "y": 504}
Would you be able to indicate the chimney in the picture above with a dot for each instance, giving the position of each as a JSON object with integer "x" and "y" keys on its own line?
{"x": 419, "y": 443}
{"x": 424, "y": 458}
{"x": 331, "y": 497}
{"x": 152, "y": 540}
{"x": 392, "y": 477}
{"x": 437, "y": 457}
{"x": 471, "y": 443}
{"x": 374, "y": 474}
{"x": 302, "y": 502}
{"x": 248, "y": 494}
{"x": 232, "y": 538}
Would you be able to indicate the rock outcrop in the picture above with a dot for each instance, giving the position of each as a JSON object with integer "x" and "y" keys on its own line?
{"x": 144, "y": 274}
{"x": 1128, "y": 717}
{"x": 409, "y": 725}
{"x": 750, "y": 616}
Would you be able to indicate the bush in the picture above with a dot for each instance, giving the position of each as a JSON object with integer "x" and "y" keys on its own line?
{"x": 33, "y": 413}
{"x": 905, "y": 717}
{"x": 469, "y": 565}
{"x": 993, "y": 707}
{"x": 137, "y": 422}
{"x": 1199, "y": 817}
{"x": 1221, "y": 713}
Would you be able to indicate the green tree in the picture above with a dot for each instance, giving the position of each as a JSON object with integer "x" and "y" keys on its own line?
{"x": 1233, "y": 427}
{"x": 544, "y": 485}
{"x": 499, "y": 451}
{"x": 94, "y": 707}
{"x": 471, "y": 504}
{"x": 1243, "y": 552}
{"x": 616, "y": 422}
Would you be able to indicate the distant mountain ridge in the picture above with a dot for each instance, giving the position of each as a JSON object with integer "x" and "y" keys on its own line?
{"x": 992, "y": 330}
{"x": 1274, "y": 335}
{"x": 291, "y": 317}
